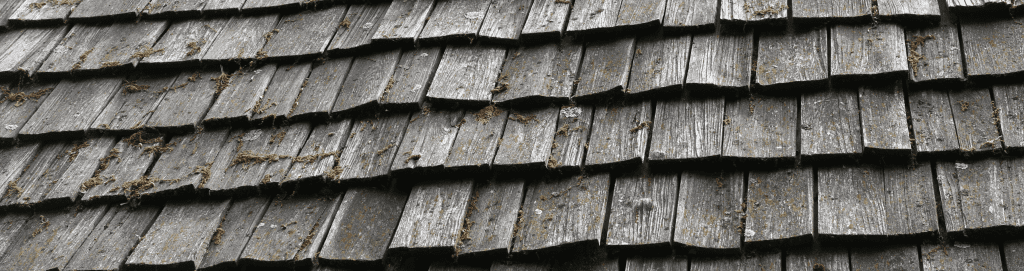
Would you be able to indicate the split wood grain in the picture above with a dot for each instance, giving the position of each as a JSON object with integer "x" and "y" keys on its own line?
{"x": 433, "y": 218}
{"x": 169, "y": 8}
{"x": 12, "y": 161}
{"x": 838, "y": 10}
{"x": 934, "y": 128}
{"x": 133, "y": 103}
{"x": 934, "y": 52}
{"x": 921, "y": 10}
{"x": 909, "y": 200}
{"x": 120, "y": 177}
{"x": 793, "y": 59}
{"x": 305, "y": 33}
{"x": 780, "y": 205}
{"x": 180, "y": 236}
{"x": 280, "y": 94}
{"x": 105, "y": 9}
{"x": 885, "y": 257}
{"x": 563, "y": 211}
{"x": 412, "y": 77}
{"x": 874, "y": 208}
{"x": 241, "y": 38}
{"x": 112, "y": 240}
{"x": 6, "y": 9}
{"x": 659, "y": 63}
{"x": 760, "y": 127}
{"x": 546, "y": 20}
{"x": 365, "y": 85}
{"x": 10, "y": 223}
{"x": 687, "y": 15}
{"x": 827, "y": 258}
{"x": 605, "y": 68}
{"x": 454, "y": 19}
{"x": 467, "y": 74}
{"x": 320, "y": 151}
{"x": 184, "y": 105}
{"x": 226, "y": 6}
{"x": 79, "y": 44}
{"x": 50, "y": 12}
{"x": 72, "y": 106}
{"x": 961, "y": 256}
{"x": 256, "y": 157}
{"x": 428, "y": 140}
{"x": 404, "y": 20}
{"x": 981, "y": 194}
{"x": 720, "y": 61}
{"x": 1011, "y": 113}
{"x": 361, "y": 21}
{"x": 652, "y": 263}
{"x": 64, "y": 189}
{"x": 363, "y": 226}
{"x": 571, "y": 138}
{"x": 189, "y": 160}
{"x": 764, "y": 261}
{"x": 48, "y": 241}
{"x": 643, "y": 206}
{"x": 478, "y": 138}
{"x": 867, "y": 50}
{"x": 976, "y": 4}
{"x": 233, "y": 232}
{"x": 56, "y": 172}
{"x": 186, "y": 41}
{"x": 17, "y": 112}
{"x": 543, "y": 72}
{"x": 505, "y": 20}
{"x": 710, "y": 211}
{"x": 883, "y": 119}
{"x": 753, "y": 11}
{"x": 641, "y": 14}
{"x": 527, "y": 138}
{"x": 491, "y": 216}
{"x": 51, "y": 156}
{"x": 117, "y": 45}
{"x": 321, "y": 89}
{"x": 254, "y": 5}
{"x": 976, "y": 120}
{"x": 829, "y": 124}
{"x": 687, "y": 127}
{"x": 31, "y": 48}
{"x": 620, "y": 133}
{"x": 241, "y": 96}
{"x": 593, "y": 15}
{"x": 291, "y": 231}
{"x": 372, "y": 147}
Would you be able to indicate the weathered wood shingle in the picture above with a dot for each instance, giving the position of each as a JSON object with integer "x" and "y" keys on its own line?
{"x": 605, "y": 68}
{"x": 687, "y": 128}
{"x": 320, "y": 151}
{"x": 981, "y": 194}
{"x": 761, "y": 127}
{"x": 547, "y": 19}
{"x": 563, "y": 211}
{"x": 358, "y": 26}
{"x": 238, "y": 95}
{"x": 371, "y": 148}
{"x": 256, "y": 157}
{"x": 428, "y": 140}
{"x": 189, "y": 160}
{"x": 859, "y": 51}
{"x": 48, "y": 241}
{"x": 571, "y": 138}
{"x": 121, "y": 176}
{"x": 114, "y": 237}
{"x": 365, "y": 84}
{"x": 467, "y": 74}
{"x": 412, "y": 77}
{"x": 491, "y": 216}
{"x": 889, "y": 257}
{"x": 659, "y": 63}
{"x": 593, "y": 15}
{"x": 18, "y": 110}
{"x": 72, "y": 106}
{"x": 544, "y": 72}
{"x": 960, "y": 256}
{"x": 990, "y": 46}
{"x": 404, "y": 20}
{"x": 642, "y": 208}
{"x": 305, "y": 33}
{"x": 793, "y": 59}
{"x": 96, "y": 10}
{"x": 291, "y": 231}
{"x": 505, "y": 20}
{"x": 883, "y": 120}
{"x": 976, "y": 120}
{"x": 478, "y": 138}
{"x": 134, "y": 102}
{"x": 276, "y": 102}
{"x": 241, "y": 38}
{"x": 829, "y": 126}
{"x": 27, "y": 52}
{"x": 710, "y": 210}
{"x": 321, "y": 89}
{"x": 619, "y": 134}
{"x": 827, "y": 258}
{"x": 527, "y": 139}
{"x": 180, "y": 235}
{"x": 753, "y": 11}
{"x": 872, "y": 201}
{"x": 186, "y": 41}
{"x": 454, "y": 19}
{"x": 184, "y": 105}
{"x": 780, "y": 206}
{"x": 363, "y": 226}
{"x": 835, "y": 10}
{"x": 932, "y": 119}
{"x": 933, "y": 52}
{"x": 1011, "y": 113}
{"x": 93, "y": 47}
{"x": 233, "y": 232}
{"x": 30, "y": 12}
{"x": 906, "y": 10}
{"x": 720, "y": 61}
{"x": 683, "y": 15}
{"x": 433, "y": 217}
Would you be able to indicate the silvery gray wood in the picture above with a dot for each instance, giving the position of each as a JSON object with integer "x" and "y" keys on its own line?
{"x": 363, "y": 226}
{"x": 50, "y": 157}
{"x": 961, "y": 5}
{"x": 186, "y": 41}
{"x": 921, "y": 10}
{"x": 58, "y": 170}
{"x": 961, "y": 256}
{"x": 318, "y": 93}
{"x": 659, "y": 63}
{"x": 371, "y": 148}
{"x": 107, "y": 9}
{"x": 835, "y": 10}
{"x": 1012, "y": 253}
{"x": 433, "y": 216}
{"x": 505, "y": 20}
{"x": 365, "y": 85}
{"x": 478, "y": 138}
{"x": 934, "y": 52}
{"x": 852, "y": 201}
{"x": 10, "y": 223}
{"x": 75, "y": 47}
{"x": 183, "y": 107}
{"x": 546, "y": 20}
{"x": 6, "y": 9}
{"x": 134, "y": 102}
{"x": 593, "y": 15}
{"x": 291, "y": 231}
{"x": 1011, "y": 113}
{"x": 12, "y": 161}
{"x": 827, "y": 258}
{"x": 51, "y": 12}
{"x": 30, "y": 49}
{"x": 605, "y": 68}
{"x": 643, "y": 206}
{"x": 112, "y": 240}
{"x": 225, "y": 6}
{"x": 467, "y": 74}
{"x": 320, "y": 151}
{"x": 761, "y": 127}
{"x": 174, "y": 7}
{"x": 656, "y": 263}
{"x": 454, "y": 19}
{"x": 980, "y": 194}
{"x": 72, "y": 106}
{"x": 687, "y": 15}
{"x": 256, "y": 157}
{"x": 49, "y": 239}
{"x": 764, "y": 261}
{"x": 780, "y": 205}
{"x": 428, "y": 140}
{"x": 867, "y": 50}
{"x": 753, "y": 11}
{"x": 620, "y": 133}
{"x": 645, "y": 13}
{"x": 687, "y": 127}
{"x": 116, "y": 45}
{"x": 793, "y": 59}
{"x": 305, "y": 33}
{"x": 412, "y": 77}
{"x": 571, "y": 138}
{"x": 241, "y": 38}
{"x": 272, "y": 5}
{"x": 829, "y": 123}
{"x": 897, "y": 257}
{"x": 404, "y": 20}
{"x": 934, "y": 128}
{"x": 539, "y": 72}
{"x": 284, "y": 88}
{"x": 180, "y": 236}
{"x": 720, "y": 61}
{"x": 233, "y": 232}
{"x": 976, "y": 119}
{"x": 237, "y": 100}
{"x": 710, "y": 210}
{"x": 66, "y": 188}
{"x": 910, "y": 202}
{"x": 190, "y": 160}
{"x": 883, "y": 119}
{"x": 122, "y": 178}
{"x": 362, "y": 22}
{"x": 561, "y": 211}
{"x": 17, "y": 112}
{"x": 527, "y": 138}
{"x": 491, "y": 216}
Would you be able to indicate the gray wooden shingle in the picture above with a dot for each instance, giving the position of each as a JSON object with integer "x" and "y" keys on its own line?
{"x": 184, "y": 105}
{"x": 254, "y": 5}
{"x": 189, "y": 160}
{"x": 641, "y": 14}
{"x": 62, "y": 190}
{"x": 867, "y": 50}
{"x": 174, "y": 8}
{"x": 829, "y": 124}
{"x": 900, "y": 257}
{"x": 563, "y": 211}
{"x": 505, "y": 20}
{"x": 358, "y": 26}
{"x": 836, "y": 10}
{"x": 275, "y": 104}
{"x": 605, "y": 68}
{"x": 720, "y": 61}
{"x": 241, "y": 38}
{"x": 571, "y": 143}
{"x": 825, "y": 258}
{"x": 491, "y": 216}
{"x": 412, "y": 77}
{"x": 12, "y": 161}
{"x": 1012, "y": 253}
{"x": 643, "y": 205}
{"x": 710, "y": 210}
{"x": 793, "y": 60}
{"x": 107, "y": 9}
{"x": 121, "y": 176}
{"x": 365, "y": 85}
{"x": 917, "y": 10}
{"x": 780, "y": 206}
{"x": 49, "y": 240}
{"x": 6, "y": 9}
{"x": 934, "y": 128}
{"x": 109, "y": 244}
{"x": 883, "y": 120}
{"x": 620, "y": 133}
{"x": 404, "y": 20}
{"x": 478, "y": 138}
{"x": 659, "y": 63}
{"x": 233, "y": 232}
{"x": 890, "y": 202}
{"x": 293, "y": 228}
{"x": 42, "y": 12}
{"x": 981, "y": 194}
{"x": 960, "y": 256}
{"x": 433, "y": 217}
{"x": 454, "y": 19}
{"x": 428, "y": 140}
{"x": 305, "y": 33}
{"x": 72, "y": 106}
{"x": 93, "y": 47}
{"x": 764, "y": 261}
{"x": 651, "y": 263}
{"x": 544, "y": 72}
{"x": 687, "y": 128}
{"x": 467, "y": 74}
{"x": 257, "y": 157}
{"x": 180, "y": 236}
{"x": 319, "y": 91}
{"x": 753, "y": 11}
{"x": 186, "y": 41}
{"x": 962, "y": 5}
{"x": 225, "y": 6}
{"x": 934, "y": 52}
{"x": 239, "y": 95}
{"x": 18, "y": 111}
{"x": 1011, "y": 113}
{"x": 134, "y": 102}
{"x": 372, "y": 147}
{"x": 593, "y": 15}
{"x": 10, "y": 223}
{"x": 527, "y": 138}
{"x": 50, "y": 157}
{"x": 686, "y": 15}
{"x": 320, "y": 151}
{"x": 363, "y": 226}
{"x": 910, "y": 200}
{"x": 28, "y": 52}
{"x": 546, "y": 20}
{"x": 761, "y": 127}
{"x": 976, "y": 120}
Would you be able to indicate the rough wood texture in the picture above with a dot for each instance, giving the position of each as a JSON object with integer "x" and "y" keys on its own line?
{"x": 976, "y": 120}
{"x": 93, "y": 9}
{"x": 467, "y": 74}
{"x": 305, "y": 33}
{"x": 974, "y": 4}
{"x": 10, "y": 223}
{"x": 683, "y": 14}
{"x": 404, "y": 20}
{"x": 829, "y": 124}
{"x": 780, "y": 205}
{"x": 433, "y": 216}
{"x": 687, "y": 127}
{"x": 49, "y": 240}
{"x": 320, "y": 90}
{"x": 133, "y": 103}
{"x": 539, "y": 72}
{"x": 6, "y": 9}
{"x": 116, "y": 45}
{"x": 880, "y": 204}
{"x": 1011, "y": 113}
{"x": 981, "y": 194}
{"x": 226, "y": 6}
{"x": 18, "y": 111}
{"x": 30, "y": 48}
{"x": 593, "y": 15}
{"x": 251, "y": 158}
{"x": 505, "y": 20}
{"x": 291, "y": 231}
{"x": 241, "y": 96}
{"x": 989, "y": 46}
{"x": 827, "y": 258}
{"x": 319, "y": 153}
{"x": 12, "y": 162}
{"x": 710, "y": 212}
{"x": 793, "y": 59}
{"x": 109, "y": 244}
{"x": 478, "y": 138}
{"x": 241, "y": 38}
{"x": 363, "y": 21}
{"x": 173, "y": 7}
{"x": 527, "y": 138}
{"x": 280, "y": 95}
{"x": 184, "y": 105}
{"x": 180, "y": 235}
{"x": 363, "y": 226}
{"x": 121, "y": 177}
{"x": 372, "y": 147}
{"x": 651, "y": 263}
{"x": 50, "y": 12}
{"x": 883, "y": 119}
{"x": 934, "y": 129}
{"x": 72, "y": 106}
{"x": 452, "y": 19}
{"x": 605, "y": 68}
{"x": 428, "y": 140}
{"x": 867, "y": 50}
{"x": 765, "y": 261}
{"x": 720, "y": 60}
{"x": 641, "y": 13}
{"x": 961, "y": 256}
{"x": 233, "y": 232}
{"x": 642, "y": 209}
{"x": 251, "y": 5}
{"x": 52, "y": 156}
{"x": 899, "y": 257}
{"x": 909, "y": 200}
{"x": 659, "y": 63}
{"x": 57, "y": 172}
{"x": 563, "y": 211}
{"x": 187, "y": 161}
{"x": 546, "y": 20}
{"x": 186, "y": 41}
{"x": 760, "y": 127}
{"x": 366, "y": 84}
{"x": 571, "y": 137}
{"x": 831, "y": 10}
{"x": 620, "y": 133}
{"x": 753, "y": 11}
{"x": 905, "y": 9}
{"x": 1012, "y": 253}
{"x": 491, "y": 216}
{"x": 412, "y": 77}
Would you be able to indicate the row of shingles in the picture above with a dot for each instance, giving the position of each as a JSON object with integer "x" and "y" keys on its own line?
{"x": 50, "y": 12}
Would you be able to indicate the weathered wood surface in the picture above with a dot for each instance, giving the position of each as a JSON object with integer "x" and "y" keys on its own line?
{"x": 720, "y": 60}
{"x": 1012, "y": 252}
{"x": 6, "y": 9}
{"x": 653, "y": 263}
{"x": 79, "y": 44}
{"x": 974, "y": 4}
{"x": 134, "y": 102}
{"x": 539, "y": 72}
{"x": 49, "y": 239}
{"x": 546, "y": 19}
{"x": 909, "y": 200}
{"x": 372, "y": 146}
{"x": 478, "y": 138}
{"x": 51, "y": 156}
{"x": 710, "y": 210}
{"x": 793, "y": 59}
{"x": 753, "y": 11}
{"x": 852, "y": 201}
{"x": 404, "y": 20}
{"x": 184, "y": 105}
{"x": 760, "y": 127}
{"x": 605, "y": 68}
{"x": 305, "y": 33}
{"x": 467, "y": 74}
{"x": 563, "y": 211}
{"x": 659, "y": 63}
{"x": 363, "y": 226}
{"x": 120, "y": 177}
{"x": 883, "y": 119}
{"x": 527, "y": 138}
{"x": 186, "y": 41}
{"x": 72, "y": 106}
{"x": 961, "y": 256}
{"x": 642, "y": 208}
{"x": 189, "y": 160}
{"x": 909, "y": 9}
{"x": 251, "y": 5}
{"x": 358, "y": 26}
{"x": 505, "y": 20}
{"x": 682, "y": 14}
{"x": 898, "y": 257}
{"x": 976, "y": 120}
{"x": 113, "y": 238}
{"x": 319, "y": 91}
{"x": 687, "y": 127}
{"x": 280, "y": 95}
{"x": 765, "y": 261}
{"x": 30, "y": 48}
{"x": 241, "y": 38}
{"x": 110, "y": 46}
{"x": 620, "y": 133}
{"x": 452, "y": 19}
{"x": 365, "y": 84}
{"x": 180, "y": 236}
{"x": 433, "y": 216}
{"x": 829, "y": 124}
{"x": 1011, "y": 113}
{"x": 593, "y": 15}
{"x": 571, "y": 138}
{"x": 257, "y": 157}
{"x": 57, "y": 181}
{"x": 225, "y": 6}
{"x": 412, "y": 77}
{"x": 94, "y": 9}
{"x": 174, "y": 7}
{"x": 825, "y": 258}
{"x": 867, "y": 50}
{"x": 10, "y": 223}
{"x": 320, "y": 151}
{"x": 831, "y": 10}
{"x": 291, "y": 231}
{"x": 233, "y": 232}
{"x": 49, "y": 12}
{"x": 780, "y": 205}
{"x": 428, "y": 140}
{"x": 981, "y": 194}
{"x": 491, "y": 216}
{"x": 17, "y": 111}
{"x": 12, "y": 161}
{"x": 645, "y": 13}
{"x": 239, "y": 95}
{"x": 934, "y": 129}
